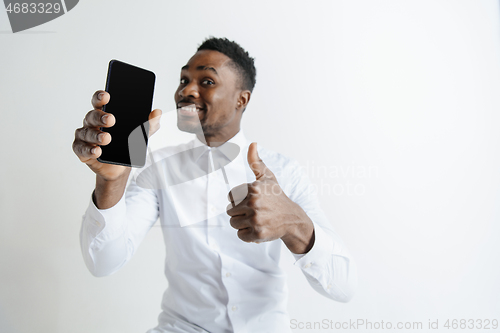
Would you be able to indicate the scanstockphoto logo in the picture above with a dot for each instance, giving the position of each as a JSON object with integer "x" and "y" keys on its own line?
{"x": 28, "y": 14}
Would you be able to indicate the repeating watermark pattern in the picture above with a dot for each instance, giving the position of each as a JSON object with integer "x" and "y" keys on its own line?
{"x": 365, "y": 324}
{"x": 183, "y": 174}
{"x": 28, "y": 14}
{"x": 339, "y": 180}
{"x": 352, "y": 171}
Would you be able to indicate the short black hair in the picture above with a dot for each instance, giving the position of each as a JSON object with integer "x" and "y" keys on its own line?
{"x": 242, "y": 61}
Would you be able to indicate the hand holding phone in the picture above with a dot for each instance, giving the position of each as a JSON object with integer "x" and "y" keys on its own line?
{"x": 90, "y": 139}
{"x": 131, "y": 89}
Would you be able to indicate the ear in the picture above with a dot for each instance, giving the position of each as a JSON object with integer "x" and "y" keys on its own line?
{"x": 243, "y": 99}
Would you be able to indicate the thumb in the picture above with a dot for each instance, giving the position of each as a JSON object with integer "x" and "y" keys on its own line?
{"x": 256, "y": 164}
{"x": 154, "y": 121}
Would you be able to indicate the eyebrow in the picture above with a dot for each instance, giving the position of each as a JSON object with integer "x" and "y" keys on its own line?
{"x": 201, "y": 68}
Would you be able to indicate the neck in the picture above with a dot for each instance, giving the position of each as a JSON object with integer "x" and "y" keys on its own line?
{"x": 217, "y": 139}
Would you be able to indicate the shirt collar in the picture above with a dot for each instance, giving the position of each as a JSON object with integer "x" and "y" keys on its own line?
{"x": 226, "y": 149}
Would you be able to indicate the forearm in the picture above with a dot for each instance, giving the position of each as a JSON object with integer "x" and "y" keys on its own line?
{"x": 104, "y": 258}
{"x": 328, "y": 266}
{"x": 107, "y": 193}
{"x": 110, "y": 236}
{"x": 299, "y": 238}
{"x": 340, "y": 284}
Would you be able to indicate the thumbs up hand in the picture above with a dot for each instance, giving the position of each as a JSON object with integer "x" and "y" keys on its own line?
{"x": 266, "y": 213}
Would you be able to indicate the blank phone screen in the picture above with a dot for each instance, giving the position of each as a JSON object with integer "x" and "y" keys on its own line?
{"x": 131, "y": 89}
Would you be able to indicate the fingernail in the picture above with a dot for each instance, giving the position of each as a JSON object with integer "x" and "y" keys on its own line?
{"x": 92, "y": 151}
{"x": 104, "y": 119}
{"x": 99, "y": 96}
{"x": 100, "y": 136}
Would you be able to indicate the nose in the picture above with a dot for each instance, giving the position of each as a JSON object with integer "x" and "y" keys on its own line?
{"x": 190, "y": 90}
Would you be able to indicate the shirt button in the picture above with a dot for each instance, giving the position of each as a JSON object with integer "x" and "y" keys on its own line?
{"x": 214, "y": 246}
{"x": 308, "y": 265}
{"x": 228, "y": 274}
{"x": 234, "y": 308}
{"x": 97, "y": 223}
{"x": 329, "y": 286}
{"x": 212, "y": 209}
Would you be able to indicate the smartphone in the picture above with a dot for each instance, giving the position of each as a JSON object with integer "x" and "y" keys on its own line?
{"x": 131, "y": 89}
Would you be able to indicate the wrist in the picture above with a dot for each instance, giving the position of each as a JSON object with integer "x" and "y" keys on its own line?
{"x": 299, "y": 236}
{"x": 108, "y": 192}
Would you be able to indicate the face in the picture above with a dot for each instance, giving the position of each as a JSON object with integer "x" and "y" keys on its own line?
{"x": 209, "y": 97}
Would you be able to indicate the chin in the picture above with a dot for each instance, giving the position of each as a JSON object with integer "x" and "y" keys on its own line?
{"x": 188, "y": 127}
{"x": 184, "y": 128}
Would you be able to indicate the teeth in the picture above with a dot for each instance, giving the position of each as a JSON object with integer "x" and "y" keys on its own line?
{"x": 191, "y": 108}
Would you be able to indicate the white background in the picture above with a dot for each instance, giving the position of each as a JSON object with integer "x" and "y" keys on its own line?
{"x": 408, "y": 88}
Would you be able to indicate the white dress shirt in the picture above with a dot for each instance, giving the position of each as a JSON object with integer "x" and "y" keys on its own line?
{"x": 217, "y": 282}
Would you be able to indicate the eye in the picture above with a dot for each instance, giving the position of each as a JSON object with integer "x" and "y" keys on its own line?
{"x": 183, "y": 81}
{"x": 208, "y": 82}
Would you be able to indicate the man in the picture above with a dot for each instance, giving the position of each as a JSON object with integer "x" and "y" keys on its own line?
{"x": 222, "y": 266}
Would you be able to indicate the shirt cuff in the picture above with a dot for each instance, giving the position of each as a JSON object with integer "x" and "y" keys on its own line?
{"x": 314, "y": 261}
{"x": 106, "y": 224}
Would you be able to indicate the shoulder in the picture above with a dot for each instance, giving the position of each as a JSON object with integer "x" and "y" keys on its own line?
{"x": 291, "y": 175}
{"x": 281, "y": 165}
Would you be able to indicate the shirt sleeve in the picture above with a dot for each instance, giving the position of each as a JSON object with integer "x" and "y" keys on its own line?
{"x": 110, "y": 237}
{"x": 328, "y": 266}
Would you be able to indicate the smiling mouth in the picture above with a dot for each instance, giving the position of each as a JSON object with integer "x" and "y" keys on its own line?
{"x": 191, "y": 108}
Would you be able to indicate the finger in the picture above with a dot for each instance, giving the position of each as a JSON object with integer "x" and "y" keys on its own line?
{"x": 92, "y": 136}
{"x": 98, "y": 118}
{"x": 238, "y": 194}
{"x": 239, "y": 222}
{"x": 86, "y": 151}
{"x": 100, "y": 98}
{"x": 154, "y": 121}
{"x": 241, "y": 209}
{"x": 246, "y": 235}
{"x": 258, "y": 167}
